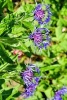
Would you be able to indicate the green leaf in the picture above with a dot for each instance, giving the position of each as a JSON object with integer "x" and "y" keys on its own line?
{"x": 38, "y": 94}
{"x": 4, "y": 54}
{"x": 2, "y": 28}
{"x": 10, "y": 5}
{"x": 48, "y": 92}
{"x": 59, "y": 30}
{"x": 1, "y": 96}
{"x": 6, "y": 93}
{"x": 63, "y": 45}
{"x": 17, "y": 30}
{"x": 14, "y": 91}
{"x": 28, "y": 25}
{"x": 48, "y": 68}
{"x": 1, "y": 82}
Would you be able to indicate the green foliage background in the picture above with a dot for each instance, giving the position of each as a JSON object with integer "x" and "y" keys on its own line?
{"x": 15, "y": 27}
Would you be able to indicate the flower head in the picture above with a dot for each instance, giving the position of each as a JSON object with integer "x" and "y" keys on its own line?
{"x": 40, "y": 37}
{"x": 42, "y": 13}
{"x": 60, "y": 93}
{"x": 28, "y": 74}
{"x": 30, "y": 80}
{"x": 29, "y": 91}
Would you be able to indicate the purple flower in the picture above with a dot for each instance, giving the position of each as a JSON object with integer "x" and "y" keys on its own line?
{"x": 29, "y": 90}
{"x": 40, "y": 37}
{"x": 42, "y": 13}
{"x": 30, "y": 80}
{"x": 27, "y": 76}
{"x": 60, "y": 93}
{"x": 57, "y": 97}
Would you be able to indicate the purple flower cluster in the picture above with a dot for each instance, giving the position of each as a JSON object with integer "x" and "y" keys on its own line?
{"x": 60, "y": 93}
{"x": 42, "y": 13}
{"x": 40, "y": 36}
{"x": 30, "y": 80}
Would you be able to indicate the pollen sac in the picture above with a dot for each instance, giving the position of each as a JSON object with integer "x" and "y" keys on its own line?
{"x": 42, "y": 13}
{"x": 40, "y": 37}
